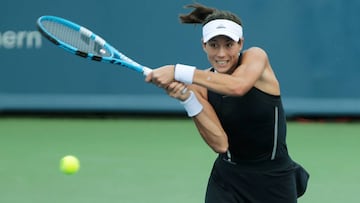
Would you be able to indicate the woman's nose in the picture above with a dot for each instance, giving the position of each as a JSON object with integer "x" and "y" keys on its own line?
{"x": 221, "y": 52}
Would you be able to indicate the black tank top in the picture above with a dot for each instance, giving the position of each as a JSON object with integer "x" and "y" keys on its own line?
{"x": 254, "y": 123}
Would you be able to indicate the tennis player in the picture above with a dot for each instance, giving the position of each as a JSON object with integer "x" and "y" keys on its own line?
{"x": 237, "y": 109}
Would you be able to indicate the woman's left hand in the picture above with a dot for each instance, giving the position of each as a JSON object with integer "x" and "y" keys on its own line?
{"x": 162, "y": 76}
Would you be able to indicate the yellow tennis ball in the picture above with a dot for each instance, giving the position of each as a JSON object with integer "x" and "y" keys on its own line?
{"x": 69, "y": 164}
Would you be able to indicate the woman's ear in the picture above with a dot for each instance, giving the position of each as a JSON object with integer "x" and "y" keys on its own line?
{"x": 203, "y": 44}
{"x": 241, "y": 43}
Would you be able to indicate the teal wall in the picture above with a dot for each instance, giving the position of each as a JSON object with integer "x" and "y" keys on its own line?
{"x": 313, "y": 47}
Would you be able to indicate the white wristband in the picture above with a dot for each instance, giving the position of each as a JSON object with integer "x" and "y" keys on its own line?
{"x": 192, "y": 105}
{"x": 184, "y": 73}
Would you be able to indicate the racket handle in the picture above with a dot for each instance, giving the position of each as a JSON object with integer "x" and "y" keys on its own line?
{"x": 146, "y": 71}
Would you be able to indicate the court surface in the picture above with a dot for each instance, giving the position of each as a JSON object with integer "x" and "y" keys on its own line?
{"x": 153, "y": 160}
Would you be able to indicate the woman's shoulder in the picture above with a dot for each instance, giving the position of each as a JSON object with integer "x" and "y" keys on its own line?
{"x": 257, "y": 52}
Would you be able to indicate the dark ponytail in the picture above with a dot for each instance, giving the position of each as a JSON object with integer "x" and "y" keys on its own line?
{"x": 198, "y": 15}
{"x": 202, "y": 14}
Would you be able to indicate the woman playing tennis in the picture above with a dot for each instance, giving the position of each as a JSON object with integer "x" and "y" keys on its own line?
{"x": 237, "y": 108}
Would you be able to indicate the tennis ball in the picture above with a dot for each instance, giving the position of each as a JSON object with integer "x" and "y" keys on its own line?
{"x": 69, "y": 164}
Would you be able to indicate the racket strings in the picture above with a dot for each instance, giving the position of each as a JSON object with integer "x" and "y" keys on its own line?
{"x": 75, "y": 38}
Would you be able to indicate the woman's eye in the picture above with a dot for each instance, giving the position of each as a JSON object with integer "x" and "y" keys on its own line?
{"x": 213, "y": 45}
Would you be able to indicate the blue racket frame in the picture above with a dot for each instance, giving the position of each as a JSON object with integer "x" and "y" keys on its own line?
{"x": 116, "y": 57}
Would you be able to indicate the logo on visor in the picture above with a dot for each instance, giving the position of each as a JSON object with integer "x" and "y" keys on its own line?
{"x": 221, "y": 26}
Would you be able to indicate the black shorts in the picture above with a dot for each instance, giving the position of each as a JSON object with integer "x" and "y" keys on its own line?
{"x": 231, "y": 183}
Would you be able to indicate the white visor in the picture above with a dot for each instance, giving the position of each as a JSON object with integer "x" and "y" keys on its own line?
{"x": 222, "y": 27}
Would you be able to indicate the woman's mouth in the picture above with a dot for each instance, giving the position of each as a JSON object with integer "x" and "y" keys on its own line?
{"x": 222, "y": 62}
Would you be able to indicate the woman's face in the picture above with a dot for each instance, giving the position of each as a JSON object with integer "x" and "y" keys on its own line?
{"x": 223, "y": 53}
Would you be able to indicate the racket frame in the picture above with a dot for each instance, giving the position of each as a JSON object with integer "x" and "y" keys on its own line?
{"x": 116, "y": 57}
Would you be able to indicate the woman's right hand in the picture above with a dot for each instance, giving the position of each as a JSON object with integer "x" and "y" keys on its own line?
{"x": 178, "y": 90}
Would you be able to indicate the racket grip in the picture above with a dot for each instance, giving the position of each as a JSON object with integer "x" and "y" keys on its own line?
{"x": 146, "y": 71}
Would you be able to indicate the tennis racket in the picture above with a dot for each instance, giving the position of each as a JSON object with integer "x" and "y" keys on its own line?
{"x": 82, "y": 42}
